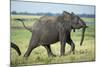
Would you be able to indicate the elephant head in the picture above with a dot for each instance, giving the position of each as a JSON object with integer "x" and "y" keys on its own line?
{"x": 77, "y": 23}
{"x": 72, "y": 21}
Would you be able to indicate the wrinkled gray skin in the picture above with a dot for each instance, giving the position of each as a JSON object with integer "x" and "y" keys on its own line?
{"x": 51, "y": 29}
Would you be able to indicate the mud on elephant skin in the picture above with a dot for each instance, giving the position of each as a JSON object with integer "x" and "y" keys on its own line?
{"x": 51, "y": 29}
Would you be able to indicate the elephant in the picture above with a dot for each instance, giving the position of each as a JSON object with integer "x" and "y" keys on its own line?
{"x": 51, "y": 29}
{"x": 14, "y": 46}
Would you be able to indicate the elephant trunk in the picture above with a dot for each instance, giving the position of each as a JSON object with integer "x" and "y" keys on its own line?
{"x": 83, "y": 32}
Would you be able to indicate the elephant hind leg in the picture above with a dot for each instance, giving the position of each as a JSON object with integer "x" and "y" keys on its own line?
{"x": 16, "y": 48}
{"x": 49, "y": 51}
{"x": 31, "y": 46}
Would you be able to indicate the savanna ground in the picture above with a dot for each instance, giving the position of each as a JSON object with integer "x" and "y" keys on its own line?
{"x": 21, "y": 37}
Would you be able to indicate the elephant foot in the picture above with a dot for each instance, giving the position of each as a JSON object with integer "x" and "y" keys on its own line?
{"x": 25, "y": 57}
{"x": 71, "y": 52}
{"x": 62, "y": 54}
{"x": 51, "y": 55}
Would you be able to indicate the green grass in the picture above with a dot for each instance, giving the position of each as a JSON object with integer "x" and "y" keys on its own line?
{"x": 21, "y": 37}
{"x": 89, "y": 19}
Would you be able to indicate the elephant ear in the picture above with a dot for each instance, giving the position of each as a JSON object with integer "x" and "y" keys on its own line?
{"x": 65, "y": 21}
{"x": 72, "y": 13}
{"x": 66, "y": 16}
{"x": 72, "y": 16}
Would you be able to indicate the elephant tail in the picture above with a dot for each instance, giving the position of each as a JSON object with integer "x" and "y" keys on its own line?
{"x": 27, "y": 28}
{"x": 16, "y": 48}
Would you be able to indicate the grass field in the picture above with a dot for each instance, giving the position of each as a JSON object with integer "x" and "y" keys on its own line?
{"x": 21, "y": 37}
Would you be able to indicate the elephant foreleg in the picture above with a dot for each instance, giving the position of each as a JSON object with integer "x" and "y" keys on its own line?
{"x": 49, "y": 51}
{"x": 63, "y": 44}
{"x": 72, "y": 46}
{"x": 62, "y": 36}
{"x": 70, "y": 42}
{"x": 62, "y": 51}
